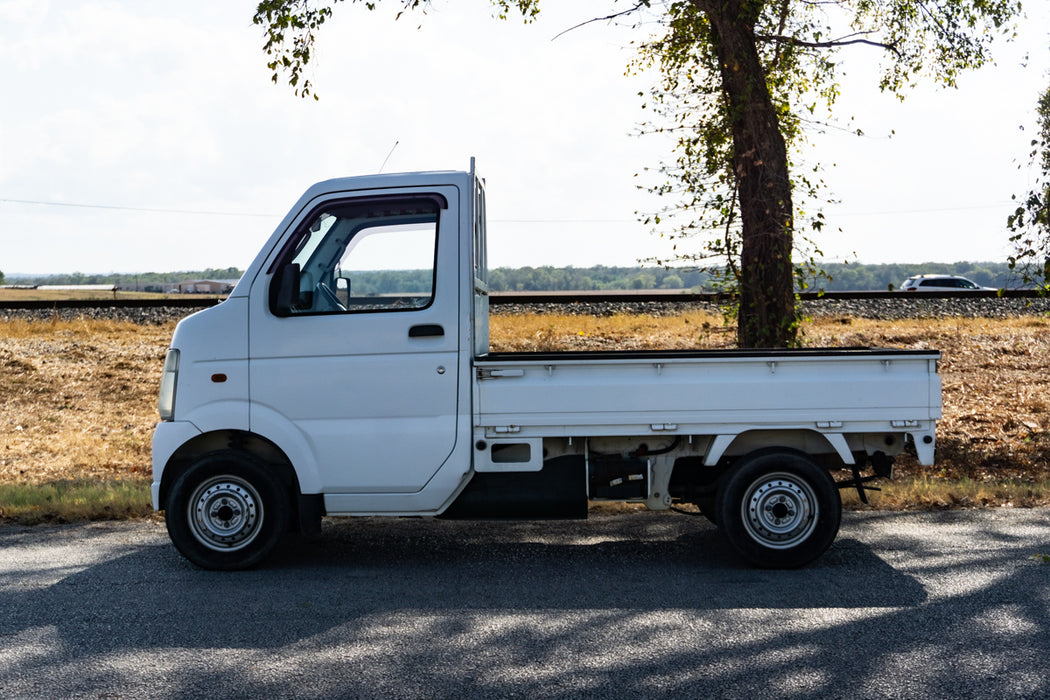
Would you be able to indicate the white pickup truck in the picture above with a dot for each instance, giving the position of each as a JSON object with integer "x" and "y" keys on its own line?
{"x": 349, "y": 373}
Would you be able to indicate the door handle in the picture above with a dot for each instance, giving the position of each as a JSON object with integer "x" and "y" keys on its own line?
{"x": 426, "y": 330}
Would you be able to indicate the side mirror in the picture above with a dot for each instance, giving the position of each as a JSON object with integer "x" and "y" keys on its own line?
{"x": 287, "y": 285}
{"x": 342, "y": 290}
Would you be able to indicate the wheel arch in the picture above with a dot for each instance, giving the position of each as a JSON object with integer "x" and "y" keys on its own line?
{"x": 242, "y": 441}
{"x": 815, "y": 445}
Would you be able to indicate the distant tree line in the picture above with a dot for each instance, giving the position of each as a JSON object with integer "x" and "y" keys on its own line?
{"x": 834, "y": 277}
{"x": 391, "y": 282}
{"x": 837, "y": 277}
{"x": 560, "y": 279}
{"x": 138, "y": 281}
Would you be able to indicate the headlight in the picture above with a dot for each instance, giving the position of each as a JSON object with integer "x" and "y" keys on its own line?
{"x": 166, "y": 399}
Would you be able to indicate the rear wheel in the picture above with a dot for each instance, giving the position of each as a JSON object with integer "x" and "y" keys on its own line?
{"x": 707, "y": 505}
{"x": 779, "y": 509}
{"x": 226, "y": 511}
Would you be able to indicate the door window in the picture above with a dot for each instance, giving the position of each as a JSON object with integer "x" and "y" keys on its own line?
{"x": 360, "y": 256}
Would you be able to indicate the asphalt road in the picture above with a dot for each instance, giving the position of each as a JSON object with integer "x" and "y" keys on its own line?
{"x": 644, "y": 605}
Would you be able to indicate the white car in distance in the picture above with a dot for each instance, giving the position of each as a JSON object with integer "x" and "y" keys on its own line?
{"x": 942, "y": 283}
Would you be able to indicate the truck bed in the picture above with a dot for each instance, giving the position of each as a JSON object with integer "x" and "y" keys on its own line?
{"x": 704, "y": 391}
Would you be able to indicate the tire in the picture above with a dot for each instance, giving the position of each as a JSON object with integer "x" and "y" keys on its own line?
{"x": 779, "y": 509}
{"x": 227, "y": 511}
{"x": 707, "y": 507}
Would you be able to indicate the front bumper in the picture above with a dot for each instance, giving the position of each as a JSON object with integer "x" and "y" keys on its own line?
{"x": 168, "y": 437}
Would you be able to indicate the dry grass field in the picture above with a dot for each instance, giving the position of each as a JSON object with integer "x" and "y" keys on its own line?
{"x": 78, "y": 398}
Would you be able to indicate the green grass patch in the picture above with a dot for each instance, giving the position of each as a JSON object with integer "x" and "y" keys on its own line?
{"x": 72, "y": 501}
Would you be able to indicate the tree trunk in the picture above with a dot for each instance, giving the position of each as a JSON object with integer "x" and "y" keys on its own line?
{"x": 767, "y": 300}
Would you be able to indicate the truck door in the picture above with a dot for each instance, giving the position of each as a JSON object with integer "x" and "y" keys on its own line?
{"x": 356, "y": 342}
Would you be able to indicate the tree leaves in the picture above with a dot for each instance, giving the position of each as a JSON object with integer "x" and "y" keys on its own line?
{"x": 290, "y": 31}
{"x": 800, "y": 44}
{"x": 1030, "y": 222}
{"x": 291, "y": 26}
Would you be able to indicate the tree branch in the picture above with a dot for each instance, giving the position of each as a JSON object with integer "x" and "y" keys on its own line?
{"x": 926, "y": 11}
{"x": 825, "y": 44}
{"x": 784, "y": 9}
{"x": 640, "y": 5}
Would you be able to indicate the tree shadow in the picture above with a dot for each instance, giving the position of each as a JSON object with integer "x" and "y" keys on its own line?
{"x": 626, "y": 605}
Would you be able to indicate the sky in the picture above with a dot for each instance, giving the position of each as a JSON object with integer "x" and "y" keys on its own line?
{"x": 148, "y": 136}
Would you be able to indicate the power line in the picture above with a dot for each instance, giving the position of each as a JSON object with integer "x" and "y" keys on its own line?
{"x": 198, "y": 212}
{"x": 932, "y": 210}
{"x": 191, "y": 212}
{"x": 563, "y": 221}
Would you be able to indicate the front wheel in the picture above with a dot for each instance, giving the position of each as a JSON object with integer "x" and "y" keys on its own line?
{"x": 226, "y": 511}
{"x": 778, "y": 509}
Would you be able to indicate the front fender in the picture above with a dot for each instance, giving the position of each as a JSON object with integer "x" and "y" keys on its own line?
{"x": 167, "y": 439}
{"x": 214, "y": 419}
{"x": 271, "y": 425}
{"x": 227, "y": 414}
{"x": 169, "y": 436}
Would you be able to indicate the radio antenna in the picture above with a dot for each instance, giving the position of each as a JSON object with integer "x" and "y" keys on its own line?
{"x": 388, "y": 156}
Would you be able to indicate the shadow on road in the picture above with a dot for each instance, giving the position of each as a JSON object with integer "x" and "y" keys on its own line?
{"x": 621, "y": 605}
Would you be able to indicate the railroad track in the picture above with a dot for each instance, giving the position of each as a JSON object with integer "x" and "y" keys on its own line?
{"x": 537, "y": 298}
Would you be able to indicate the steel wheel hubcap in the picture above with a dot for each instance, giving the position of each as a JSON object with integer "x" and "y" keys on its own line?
{"x": 780, "y": 510}
{"x": 225, "y": 513}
